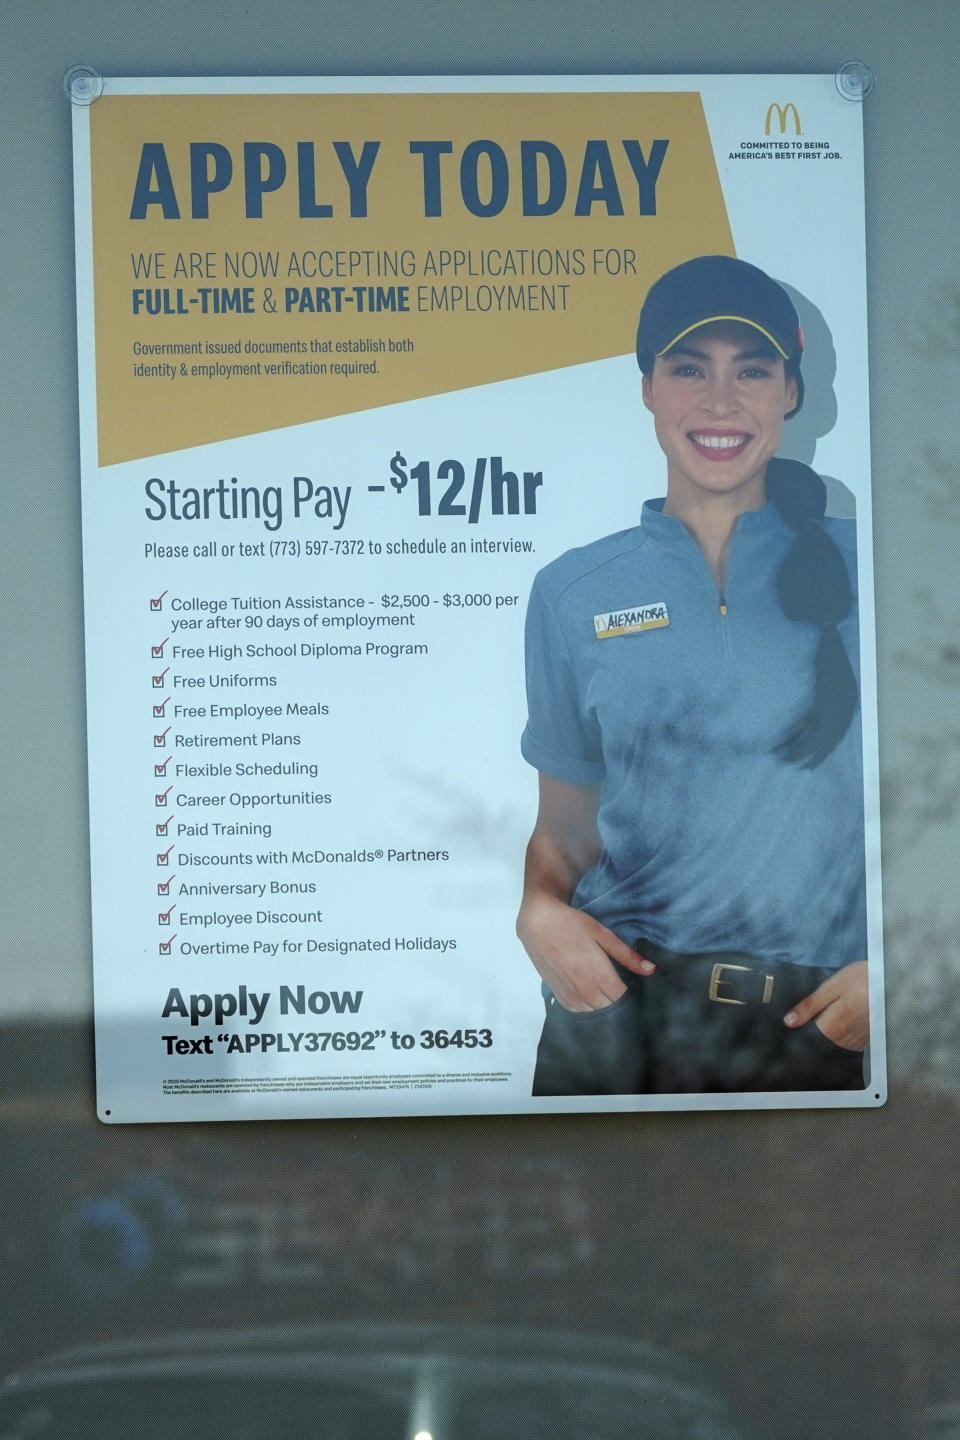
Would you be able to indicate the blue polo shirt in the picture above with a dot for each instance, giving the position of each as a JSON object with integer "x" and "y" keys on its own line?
{"x": 643, "y": 680}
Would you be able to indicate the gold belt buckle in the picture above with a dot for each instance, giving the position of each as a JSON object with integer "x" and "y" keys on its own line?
{"x": 716, "y": 980}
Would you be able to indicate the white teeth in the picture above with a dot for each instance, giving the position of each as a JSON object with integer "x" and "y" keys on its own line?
{"x": 721, "y": 442}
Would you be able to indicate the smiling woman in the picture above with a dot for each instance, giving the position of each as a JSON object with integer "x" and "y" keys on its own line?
{"x": 695, "y": 897}
{"x": 718, "y": 401}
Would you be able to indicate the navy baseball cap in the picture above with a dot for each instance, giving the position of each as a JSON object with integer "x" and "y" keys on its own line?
{"x": 718, "y": 287}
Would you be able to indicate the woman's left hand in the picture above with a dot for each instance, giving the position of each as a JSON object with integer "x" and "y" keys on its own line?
{"x": 841, "y": 1007}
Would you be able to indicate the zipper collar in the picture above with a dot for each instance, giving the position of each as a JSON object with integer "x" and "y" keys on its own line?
{"x": 764, "y": 522}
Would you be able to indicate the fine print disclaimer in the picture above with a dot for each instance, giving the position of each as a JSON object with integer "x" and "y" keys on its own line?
{"x": 301, "y": 1084}
{"x": 298, "y": 356}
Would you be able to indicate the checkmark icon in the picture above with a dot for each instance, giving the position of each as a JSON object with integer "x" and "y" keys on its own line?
{"x": 160, "y": 740}
{"x": 164, "y": 946}
{"x": 159, "y": 681}
{"x": 163, "y": 856}
{"x": 161, "y": 799}
{"x": 163, "y": 886}
{"x": 157, "y": 604}
{"x": 162, "y": 827}
{"x": 163, "y": 916}
{"x": 156, "y": 651}
{"x": 160, "y": 770}
{"x": 159, "y": 709}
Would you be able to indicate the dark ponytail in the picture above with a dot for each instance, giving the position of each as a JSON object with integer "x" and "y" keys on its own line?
{"x": 814, "y": 587}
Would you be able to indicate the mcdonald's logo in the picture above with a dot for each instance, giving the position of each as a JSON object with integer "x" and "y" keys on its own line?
{"x": 782, "y": 111}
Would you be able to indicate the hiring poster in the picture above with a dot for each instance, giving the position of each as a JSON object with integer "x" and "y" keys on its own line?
{"x": 413, "y": 567}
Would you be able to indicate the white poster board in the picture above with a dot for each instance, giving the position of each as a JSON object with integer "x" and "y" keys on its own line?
{"x": 356, "y": 362}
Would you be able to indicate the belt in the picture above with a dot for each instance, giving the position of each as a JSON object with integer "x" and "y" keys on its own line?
{"x": 731, "y": 977}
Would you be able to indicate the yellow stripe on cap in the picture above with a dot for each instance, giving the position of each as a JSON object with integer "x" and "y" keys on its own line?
{"x": 738, "y": 320}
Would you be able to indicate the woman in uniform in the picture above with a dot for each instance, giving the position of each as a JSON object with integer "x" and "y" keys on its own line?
{"x": 694, "y": 897}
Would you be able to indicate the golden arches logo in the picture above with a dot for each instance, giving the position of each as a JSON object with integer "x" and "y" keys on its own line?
{"x": 782, "y": 112}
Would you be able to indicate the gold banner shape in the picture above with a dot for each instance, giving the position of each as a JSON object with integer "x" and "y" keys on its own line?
{"x": 265, "y": 260}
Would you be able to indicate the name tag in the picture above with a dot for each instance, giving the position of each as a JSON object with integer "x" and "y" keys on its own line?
{"x": 628, "y": 622}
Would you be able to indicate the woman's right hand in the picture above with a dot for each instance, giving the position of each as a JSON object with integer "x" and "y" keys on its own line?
{"x": 572, "y": 953}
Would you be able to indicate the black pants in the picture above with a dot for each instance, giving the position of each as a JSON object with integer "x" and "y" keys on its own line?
{"x": 700, "y": 1024}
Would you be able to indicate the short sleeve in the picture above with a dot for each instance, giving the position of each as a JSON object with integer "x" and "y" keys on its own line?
{"x": 556, "y": 739}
